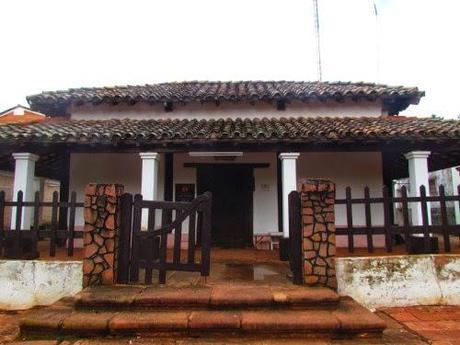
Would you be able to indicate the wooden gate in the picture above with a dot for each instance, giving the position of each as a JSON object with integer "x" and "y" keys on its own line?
{"x": 147, "y": 248}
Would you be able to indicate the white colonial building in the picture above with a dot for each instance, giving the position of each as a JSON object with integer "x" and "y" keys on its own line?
{"x": 249, "y": 143}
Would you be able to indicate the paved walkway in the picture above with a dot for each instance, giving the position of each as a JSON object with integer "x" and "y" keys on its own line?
{"x": 438, "y": 324}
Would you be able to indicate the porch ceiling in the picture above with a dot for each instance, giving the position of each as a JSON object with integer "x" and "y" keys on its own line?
{"x": 53, "y": 164}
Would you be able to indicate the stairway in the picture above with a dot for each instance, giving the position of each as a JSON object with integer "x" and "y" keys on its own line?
{"x": 229, "y": 309}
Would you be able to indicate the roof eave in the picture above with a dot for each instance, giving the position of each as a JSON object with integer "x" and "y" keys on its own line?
{"x": 392, "y": 104}
{"x": 395, "y": 105}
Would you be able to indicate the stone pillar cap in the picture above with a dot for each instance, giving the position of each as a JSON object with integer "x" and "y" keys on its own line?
{"x": 111, "y": 189}
{"x": 315, "y": 185}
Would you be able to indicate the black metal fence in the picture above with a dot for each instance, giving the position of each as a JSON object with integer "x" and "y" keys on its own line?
{"x": 19, "y": 243}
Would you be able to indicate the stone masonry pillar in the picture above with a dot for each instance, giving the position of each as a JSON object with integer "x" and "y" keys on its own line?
{"x": 100, "y": 236}
{"x": 318, "y": 226}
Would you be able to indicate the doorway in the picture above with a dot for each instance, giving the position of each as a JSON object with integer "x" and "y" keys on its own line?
{"x": 232, "y": 189}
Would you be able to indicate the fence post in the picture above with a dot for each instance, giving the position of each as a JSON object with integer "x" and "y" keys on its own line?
{"x": 444, "y": 220}
{"x": 351, "y": 245}
{"x": 295, "y": 238}
{"x": 71, "y": 233}
{"x": 2, "y": 221}
{"x": 367, "y": 210}
{"x": 206, "y": 237}
{"x": 34, "y": 230}
{"x": 54, "y": 224}
{"x": 318, "y": 226}
{"x": 406, "y": 225}
{"x": 101, "y": 233}
{"x": 136, "y": 244}
{"x": 425, "y": 220}
{"x": 124, "y": 246}
{"x": 386, "y": 219}
{"x": 17, "y": 250}
{"x": 457, "y": 199}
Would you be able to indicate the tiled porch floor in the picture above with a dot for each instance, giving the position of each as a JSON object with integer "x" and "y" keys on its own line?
{"x": 248, "y": 254}
{"x": 234, "y": 265}
{"x": 268, "y": 273}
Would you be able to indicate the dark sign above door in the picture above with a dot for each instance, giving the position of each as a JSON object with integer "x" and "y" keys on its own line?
{"x": 185, "y": 192}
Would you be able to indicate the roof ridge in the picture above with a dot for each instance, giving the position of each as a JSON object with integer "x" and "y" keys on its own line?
{"x": 12, "y": 108}
{"x": 400, "y": 118}
{"x": 242, "y": 81}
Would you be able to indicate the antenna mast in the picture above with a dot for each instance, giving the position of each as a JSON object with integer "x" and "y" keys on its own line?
{"x": 318, "y": 42}
{"x": 377, "y": 42}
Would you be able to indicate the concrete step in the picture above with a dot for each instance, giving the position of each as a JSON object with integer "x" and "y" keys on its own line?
{"x": 231, "y": 296}
{"x": 348, "y": 318}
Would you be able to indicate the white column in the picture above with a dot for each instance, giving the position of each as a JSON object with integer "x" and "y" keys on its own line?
{"x": 149, "y": 184}
{"x": 289, "y": 183}
{"x": 24, "y": 175}
{"x": 418, "y": 176}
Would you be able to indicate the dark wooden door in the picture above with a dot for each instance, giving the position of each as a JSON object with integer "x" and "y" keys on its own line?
{"x": 232, "y": 209}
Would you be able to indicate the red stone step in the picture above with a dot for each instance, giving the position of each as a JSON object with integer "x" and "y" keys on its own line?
{"x": 234, "y": 296}
{"x": 349, "y": 318}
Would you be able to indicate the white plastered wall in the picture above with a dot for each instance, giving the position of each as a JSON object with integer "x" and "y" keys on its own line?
{"x": 121, "y": 168}
{"x": 227, "y": 110}
{"x": 354, "y": 169}
{"x": 125, "y": 169}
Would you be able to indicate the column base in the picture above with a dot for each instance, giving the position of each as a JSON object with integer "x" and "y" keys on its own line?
{"x": 284, "y": 249}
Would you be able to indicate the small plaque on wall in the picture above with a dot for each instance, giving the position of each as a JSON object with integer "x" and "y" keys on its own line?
{"x": 185, "y": 192}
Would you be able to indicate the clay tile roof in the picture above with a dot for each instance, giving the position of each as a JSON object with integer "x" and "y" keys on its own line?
{"x": 303, "y": 129}
{"x": 27, "y": 116}
{"x": 398, "y": 97}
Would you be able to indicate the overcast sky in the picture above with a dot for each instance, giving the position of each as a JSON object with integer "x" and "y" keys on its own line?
{"x": 50, "y": 44}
